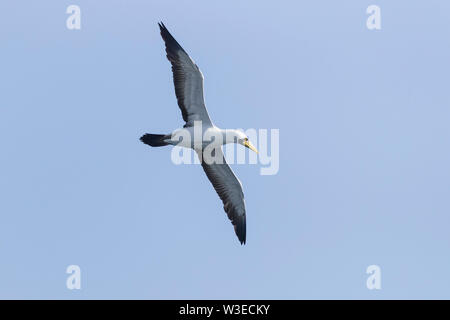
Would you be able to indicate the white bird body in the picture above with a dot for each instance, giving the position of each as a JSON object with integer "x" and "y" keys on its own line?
{"x": 197, "y": 137}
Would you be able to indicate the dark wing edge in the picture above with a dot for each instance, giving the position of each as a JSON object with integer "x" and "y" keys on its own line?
{"x": 186, "y": 75}
{"x": 229, "y": 189}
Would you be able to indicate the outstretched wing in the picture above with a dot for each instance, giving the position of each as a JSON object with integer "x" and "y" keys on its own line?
{"x": 229, "y": 189}
{"x": 188, "y": 81}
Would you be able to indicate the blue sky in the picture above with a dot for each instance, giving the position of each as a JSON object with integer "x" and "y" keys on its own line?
{"x": 364, "y": 150}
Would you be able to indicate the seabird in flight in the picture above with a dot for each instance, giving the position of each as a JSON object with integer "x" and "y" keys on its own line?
{"x": 188, "y": 81}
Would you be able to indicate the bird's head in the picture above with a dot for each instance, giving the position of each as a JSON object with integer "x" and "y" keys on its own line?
{"x": 242, "y": 139}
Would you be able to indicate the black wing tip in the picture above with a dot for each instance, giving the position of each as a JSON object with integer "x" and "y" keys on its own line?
{"x": 161, "y": 26}
{"x": 241, "y": 229}
{"x": 164, "y": 31}
{"x": 171, "y": 44}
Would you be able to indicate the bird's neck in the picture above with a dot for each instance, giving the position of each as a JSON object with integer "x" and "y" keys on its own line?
{"x": 229, "y": 135}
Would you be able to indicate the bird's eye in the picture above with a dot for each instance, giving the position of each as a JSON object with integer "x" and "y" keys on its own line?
{"x": 245, "y": 139}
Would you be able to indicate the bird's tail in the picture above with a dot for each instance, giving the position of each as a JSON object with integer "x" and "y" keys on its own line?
{"x": 155, "y": 140}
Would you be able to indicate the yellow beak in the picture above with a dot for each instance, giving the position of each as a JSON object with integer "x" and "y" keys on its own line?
{"x": 250, "y": 146}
